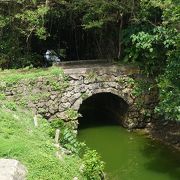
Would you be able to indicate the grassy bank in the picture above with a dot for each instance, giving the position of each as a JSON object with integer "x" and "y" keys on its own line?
{"x": 14, "y": 75}
{"x": 19, "y": 139}
{"x": 33, "y": 146}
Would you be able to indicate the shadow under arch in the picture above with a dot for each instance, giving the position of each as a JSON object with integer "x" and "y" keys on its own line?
{"x": 102, "y": 109}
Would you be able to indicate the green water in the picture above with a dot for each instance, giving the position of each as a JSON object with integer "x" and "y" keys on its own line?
{"x": 129, "y": 156}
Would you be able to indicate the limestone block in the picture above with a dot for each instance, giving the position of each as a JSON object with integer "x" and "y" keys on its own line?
{"x": 61, "y": 108}
{"x": 90, "y": 81}
{"x": 42, "y": 110}
{"x": 40, "y": 79}
{"x": 64, "y": 99}
{"x": 95, "y": 86}
{"x": 83, "y": 89}
{"x": 31, "y": 105}
{"x": 41, "y": 104}
{"x": 76, "y": 89}
{"x": 70, "y": 88}
{"x": 126, "y": 90}
{"x": 72, "y": 81}
{"x": 51, "y": 110}
{"x": 113, "y": 84}
{"x": 66, "y": 105}
{"x": 53, "y": 97}
{"x": 11, "y": 169}
{"x": 68, "y": 94}
{"x": 50, "y": 102}
{"x": 8, "y": 93}
{"x": 77, "y": 104}
{"x": 62, "y": 115}
{"x": 130, "y": 100}
{"x": 74, "y": 76}
{"x": 76, "y": 96}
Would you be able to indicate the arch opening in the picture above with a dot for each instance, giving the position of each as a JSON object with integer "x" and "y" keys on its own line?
{"x": 102, "y": 109}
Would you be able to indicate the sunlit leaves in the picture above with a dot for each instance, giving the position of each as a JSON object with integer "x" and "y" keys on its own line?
{"x": 3, "y": 21}
{"x": 34, "y": 21}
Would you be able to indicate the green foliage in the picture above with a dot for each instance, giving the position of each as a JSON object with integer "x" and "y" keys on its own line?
{"x": 2, "y": 96}
{"x": 68, "y": 137}
{"x": 91, "y": 76}
{"x": 29, "y": 20}
{"x": 169, "y": 85}
{"x": 142, "y": 86}
{"x": 84, "y": 96}
{"x": 14, "y": 76}
{"x": 55, "y": 124}
{"x": 3, "y": 21}
{"x": 98, "y": 14}
{"x": 72, "y": 114}
{"x": 59, "y": 86}
{"x": 70, "y": 142}
{"x": 126, "y": 81}
{"x": 33, "y": 21}
{"x": 156, "y": 48}
{"x": 151, "y": 48}
{"x": 10, "y": 105}
{"x": 37, "y": 96}
{"x": 23, "y": 20}
{"x": 32, "y": 146}
{"x": 93, "y": 166}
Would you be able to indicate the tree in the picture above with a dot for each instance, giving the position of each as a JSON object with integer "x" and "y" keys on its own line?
{"x": 156, "y": 48}
{"x": 18, "y": 21}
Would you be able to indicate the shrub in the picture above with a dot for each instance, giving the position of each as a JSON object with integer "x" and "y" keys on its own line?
{"x": 93, "y": 166}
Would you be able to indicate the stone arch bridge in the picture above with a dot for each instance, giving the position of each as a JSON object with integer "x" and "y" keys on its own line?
{"x": 61, "y": 96}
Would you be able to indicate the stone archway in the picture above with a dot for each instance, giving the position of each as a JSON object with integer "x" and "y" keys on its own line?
{"x": 102, "y": 109}
{"x": 58, "y": 96}
{"x": 124, "y": 94}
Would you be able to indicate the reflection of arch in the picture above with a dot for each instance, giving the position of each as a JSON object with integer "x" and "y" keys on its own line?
{"x": 104, "y": 107}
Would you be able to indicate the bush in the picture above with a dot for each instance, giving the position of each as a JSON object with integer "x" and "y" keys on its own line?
{"x": 93, "y": 166}
{"x": 169, "y": 86}
{"x": 67, "y": 137}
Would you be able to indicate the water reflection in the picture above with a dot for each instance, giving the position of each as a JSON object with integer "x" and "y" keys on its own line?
{"x": 130, "y": 156}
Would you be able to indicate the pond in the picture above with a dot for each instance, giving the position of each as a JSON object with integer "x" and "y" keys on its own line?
{"x": 131, "y": 156}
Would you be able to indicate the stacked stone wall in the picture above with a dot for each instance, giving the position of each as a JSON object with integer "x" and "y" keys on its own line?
{"x": 53, "y": 97}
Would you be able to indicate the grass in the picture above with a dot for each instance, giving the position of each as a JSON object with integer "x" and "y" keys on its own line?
{"x": 19, "y": 139}
{"x": 14, "y": 75}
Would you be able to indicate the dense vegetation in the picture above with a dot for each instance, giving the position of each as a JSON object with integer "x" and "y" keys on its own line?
{"x": 144, "y": 32}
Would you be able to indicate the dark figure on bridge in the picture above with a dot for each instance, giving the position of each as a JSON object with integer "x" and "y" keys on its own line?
{"x": 51, "y": 57}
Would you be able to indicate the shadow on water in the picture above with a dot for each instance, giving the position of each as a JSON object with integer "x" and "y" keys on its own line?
{"x": 96, "y": 118}
{"x": 162, "y": 159}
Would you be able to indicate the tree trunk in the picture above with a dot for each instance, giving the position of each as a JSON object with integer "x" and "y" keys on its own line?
{"x": 76, "y": 44}
{"x": 120, "y": 36}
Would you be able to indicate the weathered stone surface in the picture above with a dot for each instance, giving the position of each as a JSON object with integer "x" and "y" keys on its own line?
{"x": 77, "y": 104}
{"x": 83, "y": 83}
{"x": 11, "y": 169}
{"x": 66, "y": 105}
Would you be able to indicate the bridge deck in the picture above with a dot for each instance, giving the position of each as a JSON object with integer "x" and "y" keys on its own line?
{"x": 84, "y": 63}
{"x": 81, "y": 67}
